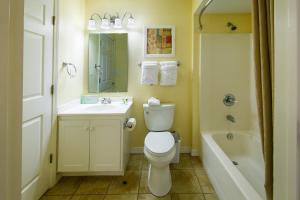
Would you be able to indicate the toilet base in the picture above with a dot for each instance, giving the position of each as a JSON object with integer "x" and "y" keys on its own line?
{"x": 159, "y": 180}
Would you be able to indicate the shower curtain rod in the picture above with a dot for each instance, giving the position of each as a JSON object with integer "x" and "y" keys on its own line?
{"x": 203, "y": 7}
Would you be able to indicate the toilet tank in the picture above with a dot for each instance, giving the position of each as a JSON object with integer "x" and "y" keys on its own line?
{"x": 159, "y": 118}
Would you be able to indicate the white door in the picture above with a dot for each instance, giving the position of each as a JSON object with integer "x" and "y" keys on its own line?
{"x": 73, "y": 145}
{"x": 37, "y": 99}
{"x": 105, "y": 145}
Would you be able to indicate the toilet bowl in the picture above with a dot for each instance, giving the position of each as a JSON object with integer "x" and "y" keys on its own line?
{"x": 159, "y": 150}
{"x": 159, "y": 147}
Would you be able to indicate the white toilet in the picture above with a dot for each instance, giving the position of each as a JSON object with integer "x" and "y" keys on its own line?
{"x": 159, "y": 147}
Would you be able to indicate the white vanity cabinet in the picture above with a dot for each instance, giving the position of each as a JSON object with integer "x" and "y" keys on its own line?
{"x": 92, "y": 139}
{"x": 92, "y": 144}
{"x": 73, "y": 145}
{"x": 105, "y": 145}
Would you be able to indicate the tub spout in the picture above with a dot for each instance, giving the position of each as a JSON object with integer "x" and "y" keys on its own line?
{"x": 230, "y": 118}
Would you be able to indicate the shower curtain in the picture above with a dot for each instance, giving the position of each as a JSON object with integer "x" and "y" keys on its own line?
{"x": 263, "y": 18}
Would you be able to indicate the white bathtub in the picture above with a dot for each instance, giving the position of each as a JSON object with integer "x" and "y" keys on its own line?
{"x": 244, "y": 181}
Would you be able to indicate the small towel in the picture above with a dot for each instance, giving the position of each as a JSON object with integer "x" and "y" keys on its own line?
{"x": 168, "y": 73}
{"x": 153, "y": 101}
{"x": 149, "y": 73}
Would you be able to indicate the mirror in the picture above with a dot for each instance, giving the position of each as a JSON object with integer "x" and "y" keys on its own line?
{"x": 108, "y": 62}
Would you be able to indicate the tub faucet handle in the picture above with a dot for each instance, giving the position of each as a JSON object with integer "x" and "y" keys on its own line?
{"x": 229, "y": 100}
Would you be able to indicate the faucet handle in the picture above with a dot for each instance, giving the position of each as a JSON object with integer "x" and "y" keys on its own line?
{"x": 108, "y": 100}
{"x": 229, "y": 100}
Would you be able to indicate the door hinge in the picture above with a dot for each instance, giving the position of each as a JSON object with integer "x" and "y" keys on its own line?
{"x": 53, "y": 20}
{"x": 51, "y": 158}
{"x": 52, "y": 89}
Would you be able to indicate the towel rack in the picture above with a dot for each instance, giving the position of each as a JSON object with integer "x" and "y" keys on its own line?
{"x": 140, "y": 64}
{"x": 68, "y": 65}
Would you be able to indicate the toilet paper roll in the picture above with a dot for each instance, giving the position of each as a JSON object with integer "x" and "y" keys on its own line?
{"x": 130, "y": 124}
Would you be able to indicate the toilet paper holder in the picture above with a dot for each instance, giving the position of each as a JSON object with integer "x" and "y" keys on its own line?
{"x": 126, "y": 125}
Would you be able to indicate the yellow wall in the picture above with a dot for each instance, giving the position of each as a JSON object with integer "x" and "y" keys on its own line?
{"x": 156, "y": 12}
{"x": 71, "y": 42}
{"x": 196, "y": 5}
{"x": 217, "y": 23}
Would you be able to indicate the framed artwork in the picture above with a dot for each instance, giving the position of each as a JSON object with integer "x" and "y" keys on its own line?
{"x": 159, "y": 41}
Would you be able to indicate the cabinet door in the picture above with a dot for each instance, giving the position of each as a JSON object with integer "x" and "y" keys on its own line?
{"x": 105, "y": 145}
{"x": 73, "y": 146}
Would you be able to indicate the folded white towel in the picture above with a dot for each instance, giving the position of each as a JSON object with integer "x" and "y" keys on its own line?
{"x": 149, "y": 73}
{"x": 171, "y": 63}
{"x": 153, "y": 101}
{"x": 168, "y": 73}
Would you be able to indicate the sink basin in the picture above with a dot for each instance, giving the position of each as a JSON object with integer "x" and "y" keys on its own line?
{"x": 117, "y": 107}
{"x": 99, "y": 108}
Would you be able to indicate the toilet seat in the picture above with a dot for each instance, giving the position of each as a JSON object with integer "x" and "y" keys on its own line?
{"x": 159, "y": 143}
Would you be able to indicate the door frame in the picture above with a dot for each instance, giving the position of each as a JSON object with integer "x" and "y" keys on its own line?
{"x": 286, "y": 100}
{"x": 54, "y": 132}
{"x": 11, "y": 60}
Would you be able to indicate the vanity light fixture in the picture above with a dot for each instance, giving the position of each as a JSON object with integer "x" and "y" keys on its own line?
{"x": 110, "y": 21}
{"x": 92, "y": 23}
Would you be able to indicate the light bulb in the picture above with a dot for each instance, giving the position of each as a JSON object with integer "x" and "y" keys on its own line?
{"x": 105, "y": 23}
{"x": 118, "y": 23}
{"x": 92, "y": 25}
{"x": 131, "y": 22}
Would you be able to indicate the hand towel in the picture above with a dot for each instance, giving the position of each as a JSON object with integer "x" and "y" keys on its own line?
{"x": 168, "y": 73}
{"x": 153, "y": 101}
{"x": 149, "y": 73}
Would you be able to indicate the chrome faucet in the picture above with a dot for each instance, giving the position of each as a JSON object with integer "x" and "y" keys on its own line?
{"x": 230, "y": 118}
{"x": 105, "y": 100}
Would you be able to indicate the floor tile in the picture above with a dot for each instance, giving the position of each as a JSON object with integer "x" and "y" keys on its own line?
{"x": 145, "y": 164}
{"x": 144, "y": 183}
{"x": 121, "y": 197}
{"x": 210, "y": 197}
{"x": 196, "y": 162}
{"x": 94, "y": 185}
{"x": 185, "y": 162}
{"x": 187, "y": 197}
{"x": 135, "y": 162}
{"x": 184, "y": 181}
{"x": 66, "y": 186}
{"x": 203, "y": 178}
{"x": 208, "y": 189}
{"x": 189, "y": 181}
{"x": 152, "y": 197}
{"x": 132, "y": 179}
{"x": 68, "y": 197}
{"x": 88, "y": 197}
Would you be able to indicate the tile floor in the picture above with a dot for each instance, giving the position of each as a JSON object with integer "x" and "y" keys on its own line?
{"x": 189, "y": 179}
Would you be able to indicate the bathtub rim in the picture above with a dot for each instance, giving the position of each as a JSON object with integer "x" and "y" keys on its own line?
{"x": 237, "y": 177}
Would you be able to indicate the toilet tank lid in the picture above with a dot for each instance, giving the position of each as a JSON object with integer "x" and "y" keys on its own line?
{"x": 159, "y": 107}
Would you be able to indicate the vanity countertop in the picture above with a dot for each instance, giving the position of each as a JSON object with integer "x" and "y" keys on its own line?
{"x": 116, "y": 107}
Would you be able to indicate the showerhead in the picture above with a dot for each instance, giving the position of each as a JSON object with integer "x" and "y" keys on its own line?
{"x": 231, "y": 26}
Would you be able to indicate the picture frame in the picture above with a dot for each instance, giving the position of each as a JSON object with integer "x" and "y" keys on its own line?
{"x": 159, "y": 41}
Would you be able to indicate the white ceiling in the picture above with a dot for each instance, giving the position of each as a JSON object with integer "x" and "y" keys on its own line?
{"x": 229, "y": 6}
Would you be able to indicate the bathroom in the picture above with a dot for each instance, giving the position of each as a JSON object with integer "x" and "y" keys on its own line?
{"x": 199, "y": 126}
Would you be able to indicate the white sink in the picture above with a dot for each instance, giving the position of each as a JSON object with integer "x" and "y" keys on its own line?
{"x": 117, "y": 107}
{"x": 99, "y": 108}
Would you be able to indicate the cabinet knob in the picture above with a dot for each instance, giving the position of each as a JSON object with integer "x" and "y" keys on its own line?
{"x": 87, "y": 128}
{"x": 92, "y": 128}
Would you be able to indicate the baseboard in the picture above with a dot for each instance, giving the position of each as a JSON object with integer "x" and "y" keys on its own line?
{"x": 137, "y": 150}
{"x": 195, "y": 152}
{"x": 140, "y": 150}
